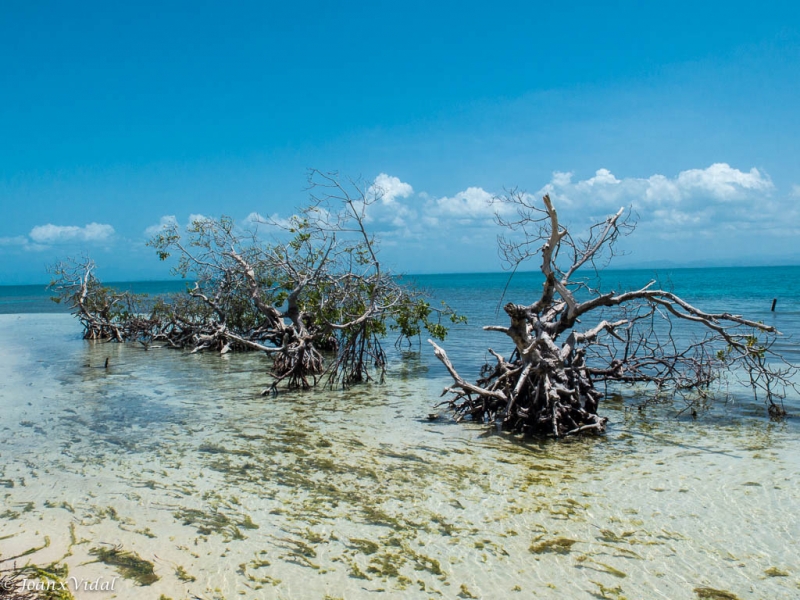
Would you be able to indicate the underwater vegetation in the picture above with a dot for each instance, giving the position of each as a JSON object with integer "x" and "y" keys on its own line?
{"x": 129, "y": 564}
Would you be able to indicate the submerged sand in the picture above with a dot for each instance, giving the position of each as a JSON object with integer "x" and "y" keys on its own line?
{"x": 176, "y": 461}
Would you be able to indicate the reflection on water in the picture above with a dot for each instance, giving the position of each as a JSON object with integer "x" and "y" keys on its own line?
{"x": 175, "y": 460}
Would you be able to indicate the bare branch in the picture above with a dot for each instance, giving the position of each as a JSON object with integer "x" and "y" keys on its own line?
{"x": 549, "y": 384}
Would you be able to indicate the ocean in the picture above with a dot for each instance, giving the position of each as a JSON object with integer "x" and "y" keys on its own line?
{"x": 169, "y": 475}
{"x": 748, "y": 291}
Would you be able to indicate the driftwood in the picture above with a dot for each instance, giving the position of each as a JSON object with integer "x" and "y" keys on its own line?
{"x": 549, "y": 382}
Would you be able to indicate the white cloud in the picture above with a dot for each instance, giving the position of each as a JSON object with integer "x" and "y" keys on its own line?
{"x": 722, "y": 182}
{"x": 659, "y": 189}
{"x": 692, "y": 208}
{"x": 197, "y": 218}
{"x": 386, "y": 189}
{"x": 601, "y": 177}
{"x": 401, "y": 213}
{"x": 561, "y": 179}
{"x": 383, "y": 201}
{"x": 711, "y": 203}
{"x": 672, "y": 216}
{"x": 718, "y": 183}
{"x": 55, "y": 234}
{"x": 289, "y": 222}
{"x": 694, "y": 202}
{"x": 254, "y": 217}
{"x": 165, "y": 222}
{"x": 472, "y": 203}
{"x": 19, "y": 240}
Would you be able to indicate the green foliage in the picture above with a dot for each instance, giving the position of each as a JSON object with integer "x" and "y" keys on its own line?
{"x": 413, "y": 314}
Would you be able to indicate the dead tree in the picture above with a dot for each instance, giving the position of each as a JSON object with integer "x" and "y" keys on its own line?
{"x": 105, "y": 313}
{"x": 574, "y": 337}
{"x": 313, "y": 295}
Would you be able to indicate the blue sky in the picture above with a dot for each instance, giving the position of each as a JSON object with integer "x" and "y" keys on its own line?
{"x": 113, "y": 118}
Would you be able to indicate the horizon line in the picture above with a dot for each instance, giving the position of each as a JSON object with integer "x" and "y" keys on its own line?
{"x": 451, "y": 273}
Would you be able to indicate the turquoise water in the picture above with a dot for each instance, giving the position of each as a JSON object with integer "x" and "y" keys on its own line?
{"x": 747, "y": 291}
{"x": 352, "y": 494}
{"x": 744, "y": 291}
{"x": 752, "y": 287}
{"x": 27, "y": 299}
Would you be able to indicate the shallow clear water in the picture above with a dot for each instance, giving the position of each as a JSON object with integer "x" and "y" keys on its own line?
{"x": 178, "y": 458}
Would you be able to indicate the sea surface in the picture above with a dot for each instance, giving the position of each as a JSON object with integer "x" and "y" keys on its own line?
{"x": 175, "y": 460}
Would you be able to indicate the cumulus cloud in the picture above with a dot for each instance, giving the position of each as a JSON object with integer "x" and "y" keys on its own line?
{"x": 56, "y": 234}
{"x": 287, "y": 223}
{"x": 718, "y": 202}
{"x": 695, "y": 201}
{"x": 472, "y": 203}
{"x": 706, "y": 203}
{"x": 19, "y": 240}
{"x": 254, "y": 217}
{"x": 386, "y": 189}
{"x": 197, "y": 218}
{"x": 165, "y": 222}
{"x": 245, "y": 226}
{"x": 383, "y": 198}
{"x": 400, "y": 212}
{"x": 719, "y": 183}
{"x": 722, "y": 182}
